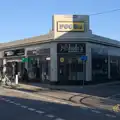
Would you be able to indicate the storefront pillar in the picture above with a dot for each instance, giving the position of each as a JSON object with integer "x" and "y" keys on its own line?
{"x": 109, "y": 77}
{"x": 4, "y": 61}
{"x": 26, "y": 63}
{"x": 88, "y": 63}
{"x": 53, "y": 63}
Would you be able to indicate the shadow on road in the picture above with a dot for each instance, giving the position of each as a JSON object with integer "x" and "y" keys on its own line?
{"x": 88, "y": 101}
{"x": 59, "y": 110}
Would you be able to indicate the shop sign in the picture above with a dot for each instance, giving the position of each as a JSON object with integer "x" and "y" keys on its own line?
{"x": 10, "y": 53}
{"x": 61, "y": 59}
{"x": 17, "y": 52}
{"x": 71, "y": 48}
{"x": 38, "y": 52}
{"x": 70, "y": 26}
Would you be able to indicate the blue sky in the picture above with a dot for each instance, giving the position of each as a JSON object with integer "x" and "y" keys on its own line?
{"x": 26, "y": 18}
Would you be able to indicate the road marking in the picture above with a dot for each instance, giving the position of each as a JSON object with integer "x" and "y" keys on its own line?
{"x": 11, "y": 102}
{"x": 31, "y": 109}
{"x": 17, "y": 103}
{"x": 59, "y": 119}
{"x": 108, "y": 115}
{"x": 23, "y": 106}
{"x": 7, "y": 100}
{"x": 50, "y": 116}
{"x": 40, "y": 112}
{"x": 95, "y": 111}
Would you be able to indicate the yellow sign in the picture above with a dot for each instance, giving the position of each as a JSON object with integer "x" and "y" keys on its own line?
{"x": 70, "y": 26}
{"x": 61, "y": 59}
{"x": 116, "y": 108}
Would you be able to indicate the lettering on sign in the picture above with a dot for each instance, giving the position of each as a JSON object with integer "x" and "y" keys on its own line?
{"x": 9, "y": 53}
{"x": 71, "y": 48}
{"x": 16, "y": 52}
{"x": 70, "y": 26}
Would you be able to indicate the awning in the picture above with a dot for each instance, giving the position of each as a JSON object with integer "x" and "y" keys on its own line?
{"x": 15, "y": 60}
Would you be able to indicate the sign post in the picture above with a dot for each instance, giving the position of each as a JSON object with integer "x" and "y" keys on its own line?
{"x": 84, "y": 59}
{"x": 16, "y": 79}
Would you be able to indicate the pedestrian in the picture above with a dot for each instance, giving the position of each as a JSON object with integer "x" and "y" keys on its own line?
{"x": 25, "y": 75}
{"x": 1, "y": 70}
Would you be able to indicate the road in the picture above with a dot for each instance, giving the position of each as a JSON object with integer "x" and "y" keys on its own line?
{"x": 20, "y": 107}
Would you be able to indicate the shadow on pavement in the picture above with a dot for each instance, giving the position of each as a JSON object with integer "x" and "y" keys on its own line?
{"x": 100, "y": 91}
{"x": 98, "y": 103}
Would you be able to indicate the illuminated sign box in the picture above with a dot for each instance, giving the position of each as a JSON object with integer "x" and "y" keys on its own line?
{"x": 70, "y": 26}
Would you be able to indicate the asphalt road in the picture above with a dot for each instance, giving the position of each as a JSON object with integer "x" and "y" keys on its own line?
{"x": 13, "y": 107}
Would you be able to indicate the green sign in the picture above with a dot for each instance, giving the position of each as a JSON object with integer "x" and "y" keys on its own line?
{"x": 26, "y": 59}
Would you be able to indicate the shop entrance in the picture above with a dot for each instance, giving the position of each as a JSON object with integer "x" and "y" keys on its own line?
{"x": 39, "y": 69}
{"x": 70, "y": 69}
{"x": 19, "y": 67}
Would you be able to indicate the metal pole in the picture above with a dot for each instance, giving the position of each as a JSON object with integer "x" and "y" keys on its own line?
{"x": 84, "y": 73}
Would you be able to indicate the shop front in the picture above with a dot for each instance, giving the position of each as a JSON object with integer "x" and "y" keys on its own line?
{"x": 15, "y": 56}
{"x": 39, "y": 65}
{"x": 105, "y": 64}
{"x": 70, "y": 67}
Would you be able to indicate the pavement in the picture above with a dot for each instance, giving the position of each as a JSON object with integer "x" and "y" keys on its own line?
{"x": 18, "y": 105}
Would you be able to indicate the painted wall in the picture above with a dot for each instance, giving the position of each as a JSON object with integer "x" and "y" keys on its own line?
{"x": 1, "y": 54}
{"x": 53, "y": 65}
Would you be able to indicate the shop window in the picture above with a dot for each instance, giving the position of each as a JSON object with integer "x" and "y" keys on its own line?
{"x": 99, "y": 67}
{"x": 39, "y": 67}
{"x": 114, "y": 67}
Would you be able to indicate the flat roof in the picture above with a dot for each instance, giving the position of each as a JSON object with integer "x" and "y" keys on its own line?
{"x": 49, "y": 38}
{"x": 27, "y": 41}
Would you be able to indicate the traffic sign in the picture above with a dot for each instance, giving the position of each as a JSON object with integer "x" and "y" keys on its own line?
{"x": 83, "y": 58}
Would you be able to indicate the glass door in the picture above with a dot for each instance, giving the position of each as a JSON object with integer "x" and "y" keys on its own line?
{"x": 75, "y": 69}
{"x": 70, "y": 69}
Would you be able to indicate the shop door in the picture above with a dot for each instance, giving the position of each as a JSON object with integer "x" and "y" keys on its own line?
{"x": 62, "y": 73}
{"x": 71, "y": 69}
{"x": 75, "y": 69}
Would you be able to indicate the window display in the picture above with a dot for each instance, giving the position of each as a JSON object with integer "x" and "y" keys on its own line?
{"x": 39, "y": 68}
{"x": 99, "y": 64}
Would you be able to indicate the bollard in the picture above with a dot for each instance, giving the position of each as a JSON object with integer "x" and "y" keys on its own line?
{"x": 16, "y": 79}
